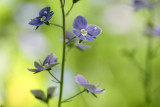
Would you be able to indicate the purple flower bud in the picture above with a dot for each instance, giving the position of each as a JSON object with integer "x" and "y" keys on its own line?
{"x": 84, "y": 31}
{"x": 90, "y": 87}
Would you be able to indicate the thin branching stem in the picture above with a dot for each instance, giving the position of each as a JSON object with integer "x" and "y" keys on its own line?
{"x": 70, "y": 9}
{"x": 68, "y": 99}
{"x": 71, "y": 40}
{"x": 56, "y": 25}
{"x": 53, "y": 76}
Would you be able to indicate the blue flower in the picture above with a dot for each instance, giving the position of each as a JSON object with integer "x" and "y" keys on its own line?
{"x": 84, "y": 31}
{"x": 44, "y": 16}
{"x": 139, "y": 4}
{"x": 48, "y": 63}
{"x": 90, "y": 87}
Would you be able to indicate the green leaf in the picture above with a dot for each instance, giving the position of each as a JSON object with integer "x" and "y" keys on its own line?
{"x": 75, "y": 1}
{"x": 50, "y": 92}
{"x": 39, "y": 94}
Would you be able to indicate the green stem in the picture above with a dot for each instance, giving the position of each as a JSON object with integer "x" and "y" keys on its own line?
{"x": 56, "y": 25}
{"x": 53, "y": 76}
{"x": 63, "y": 55}
{"x": 74, "y": 96}
{"x": 147, "y": 82}
{"x": 70, "y": 10}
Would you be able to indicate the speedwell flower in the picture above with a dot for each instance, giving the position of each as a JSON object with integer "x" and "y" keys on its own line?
{"x": 139, "y": 4}
{"x": 44, "y": 16}
{"x": 48, "y": 63}
{"x": 90, "y": 87}
{"x": 84, "y": 31}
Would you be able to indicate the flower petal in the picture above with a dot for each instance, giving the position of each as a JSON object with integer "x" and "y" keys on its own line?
{"x": 36, "y": 21}
{"x": 35, "y": 70}
{"x": 51, "y": 58}
{"x": 38, "y": 66}
{"x": 80, "y": 79}
{"x": 82, "y": 47}
{"x": 44, "y": 11}
{"x": 69, "y": 36}
{"x": 93, "y": 30}
{"x": 93, "y": 88}
{"x": 80, "y": 22}
{"x": 48, "y": 17}
{"x": 51, "y": 65}
{"x": 89, "y": 38}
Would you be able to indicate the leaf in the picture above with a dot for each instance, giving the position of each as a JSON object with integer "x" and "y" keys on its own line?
{"x": 50, "y": 92}
{"x": 94, "y": 95}
{"x": 39, "y": 94}
{"x": 75, "y": 1}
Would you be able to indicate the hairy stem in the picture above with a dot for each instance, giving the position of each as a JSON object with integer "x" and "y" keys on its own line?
{"x": 74, "y": 96}
{"x": 63, "y": 55}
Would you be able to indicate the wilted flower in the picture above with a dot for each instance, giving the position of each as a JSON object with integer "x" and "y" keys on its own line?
{"x": 84, "y": 31}
{"x": 90, "y": 87}
{"x": 48, "y": 63}
{"x": 44, "y": 16}
{"x": 139, "y": 4}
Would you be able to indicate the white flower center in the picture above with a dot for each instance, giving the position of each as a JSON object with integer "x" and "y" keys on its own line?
{"x": 45, "y": 12}
{"x": 84, "y": 32}
{"x": 43, "y": 18}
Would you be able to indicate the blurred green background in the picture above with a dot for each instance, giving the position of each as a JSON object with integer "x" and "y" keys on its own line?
{"x": 104, "y": 62}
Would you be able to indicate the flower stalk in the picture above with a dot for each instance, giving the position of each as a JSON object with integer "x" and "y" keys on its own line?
{"x": 63, "y": 54}
{"x": 68, "y": 99}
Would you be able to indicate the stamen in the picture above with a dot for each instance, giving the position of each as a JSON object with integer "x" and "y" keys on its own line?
{"x": 95, "y": 28}
{"x": 45, "y": 12}
{"x": 43, "y": 18}
{"x": 84, "y": 32}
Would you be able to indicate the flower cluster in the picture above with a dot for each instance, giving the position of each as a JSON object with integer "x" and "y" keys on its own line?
{"x": 83, "y": 31}
{"x": 48, "y": 63}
